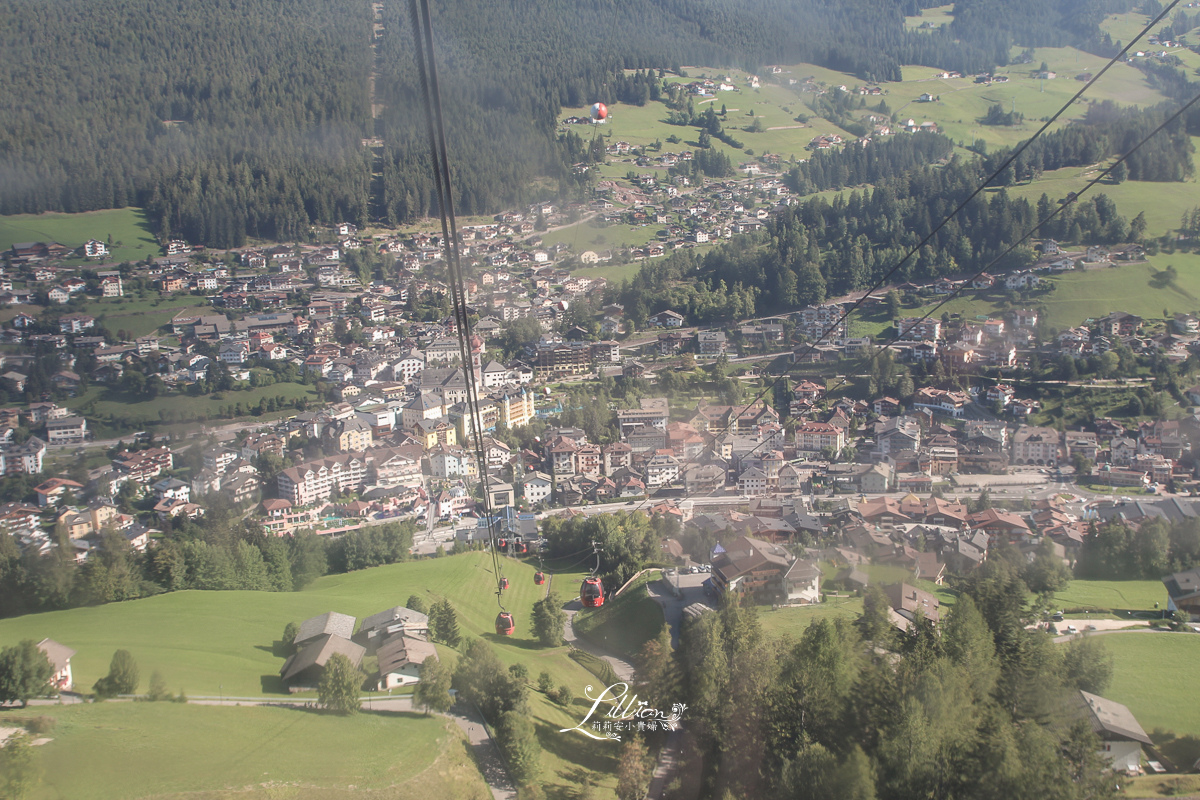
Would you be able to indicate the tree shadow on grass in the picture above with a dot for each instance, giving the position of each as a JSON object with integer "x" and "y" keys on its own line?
{"x": 524, "y": 644}
{"x": 588, "y": 754}
{"x": 1181, "y": 751}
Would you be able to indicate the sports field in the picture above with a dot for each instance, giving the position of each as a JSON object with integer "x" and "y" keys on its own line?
{"x": 131, "y": 750}
{"x": 130, "y": 232}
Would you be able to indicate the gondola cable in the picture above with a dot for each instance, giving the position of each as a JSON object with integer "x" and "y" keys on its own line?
{"x": 435, "y": 130}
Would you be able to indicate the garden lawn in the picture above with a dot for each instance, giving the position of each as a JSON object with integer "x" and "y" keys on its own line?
{"x": 792, "y": 620}
{"x": 128, "y": 750}
{"x": 1152, "y": 674}
{"x": 126, "y": 225}
{"x": 1141, "y": 595}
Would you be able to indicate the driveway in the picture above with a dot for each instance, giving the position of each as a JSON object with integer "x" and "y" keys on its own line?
{"x": 690, "y": 591}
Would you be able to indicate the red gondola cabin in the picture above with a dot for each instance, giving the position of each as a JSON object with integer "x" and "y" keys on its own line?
{"x": 505, "y": 624}
{"x": 503, "y": 584}
{"x": 591, "y": 593}
{"x": 539, "y": 578}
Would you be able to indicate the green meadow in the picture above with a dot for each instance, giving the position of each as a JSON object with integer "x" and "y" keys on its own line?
{"x": 142, "y": 316}
{"x": 130, "y": 232}
{"x": 1152, "y": 673}
{"x": 1081, "y": 295}
{"x": 941, "y": 15}
{"x": 127, "y": 750}
{"x": 1112, "y": 594}
{"x": 111, "y": 404}
{"x": 227, "y": 643}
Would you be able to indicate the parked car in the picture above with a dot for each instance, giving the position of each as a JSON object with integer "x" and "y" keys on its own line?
{"x": 1072, "y": 629}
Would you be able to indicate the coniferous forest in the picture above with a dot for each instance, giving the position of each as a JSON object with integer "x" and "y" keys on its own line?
{"x": 230, "y": 119}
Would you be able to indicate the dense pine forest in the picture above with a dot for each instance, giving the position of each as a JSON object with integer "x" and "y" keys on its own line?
{"x": 230, "y": 119}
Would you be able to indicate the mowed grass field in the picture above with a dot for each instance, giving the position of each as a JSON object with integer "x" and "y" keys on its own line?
{"x": 226, "y": 643}
{"x": 791, "y": 621}
{"x": 941, "y": 15}
{"x": 126, "y": 225}
{"x": 131, "y": 750}
{"x": 107, "y": 403}
{"x": 1153, "y": 674}
{"x": 1140, "y": 595}
{"x": 208, "y": 643}
{"x": 142, "y": 316}
{"x": 1162, "y": 203}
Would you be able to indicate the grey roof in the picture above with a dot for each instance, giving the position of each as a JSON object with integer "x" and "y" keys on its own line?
{"x": 1183, "y": 585}
{"x": 803, "y": 570}
{"x": 1111, "y": 720}
{"x": 59, "y": 654}
{"x": 319, "y": 652}
{"x": 395, "y": 614}
{"x": 400, "y": 650}
{"x": 331, "y": 622}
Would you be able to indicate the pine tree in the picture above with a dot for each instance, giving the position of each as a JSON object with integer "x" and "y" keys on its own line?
{"x": 549, "y": 620}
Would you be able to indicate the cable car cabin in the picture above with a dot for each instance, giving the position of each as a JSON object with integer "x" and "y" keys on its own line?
{"x": 503, "y": 584}
{"x": 519, "y": 547}
{"x": 591, "y": 593}
{"x": 505, "y": 624}
{"x": 539, "y": 578}
{"x": 503, "y": 545}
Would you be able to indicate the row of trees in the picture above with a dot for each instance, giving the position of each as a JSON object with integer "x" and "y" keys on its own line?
{"x": 216, "y": 552}
{"x": 1157, "y": 547}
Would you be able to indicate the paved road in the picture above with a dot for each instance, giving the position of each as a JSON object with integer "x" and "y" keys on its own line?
{"x": 620, "y": 666}
{"x": 690, "y": 591}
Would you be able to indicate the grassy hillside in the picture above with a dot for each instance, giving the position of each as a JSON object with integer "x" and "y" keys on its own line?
{"x": 126, "y": 750}
{"x": 132, "y": 240}
{"x": 625, "y": 623}
{"x": 211, "y": 643}
{"x": 203, "y": 641}
{"x": 142, "y": 316}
